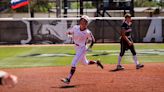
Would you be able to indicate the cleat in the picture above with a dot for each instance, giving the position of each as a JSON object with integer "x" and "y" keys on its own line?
{"x": 65, "y": 80}
{"x": 119, "y": 67}
{"x": 99, "y": 64}
{"x": 139, "y": 66}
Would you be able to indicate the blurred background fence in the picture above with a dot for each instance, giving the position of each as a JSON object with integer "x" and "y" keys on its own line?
{"x": 52, "y": 30}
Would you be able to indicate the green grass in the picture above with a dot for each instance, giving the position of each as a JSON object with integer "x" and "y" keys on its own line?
{"x": 20, "y": 57}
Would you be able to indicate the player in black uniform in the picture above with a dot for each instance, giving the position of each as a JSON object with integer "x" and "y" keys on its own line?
{"x": 127, "y": 42}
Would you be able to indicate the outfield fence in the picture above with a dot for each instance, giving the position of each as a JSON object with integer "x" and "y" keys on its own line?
{"x": 52, "y": 30}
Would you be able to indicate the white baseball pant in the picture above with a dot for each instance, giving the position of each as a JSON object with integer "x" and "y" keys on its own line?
{"x": 80, "y": 56}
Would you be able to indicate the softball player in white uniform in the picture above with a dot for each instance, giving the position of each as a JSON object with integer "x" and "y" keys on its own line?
{"x": 81, "y": 34}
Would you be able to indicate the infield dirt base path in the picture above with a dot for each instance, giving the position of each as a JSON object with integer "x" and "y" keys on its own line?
{"x": 89, "y": 79}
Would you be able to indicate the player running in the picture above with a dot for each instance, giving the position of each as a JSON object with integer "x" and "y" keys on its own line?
{"x": 81, "y": 34}
{"x": 127, "y": 42}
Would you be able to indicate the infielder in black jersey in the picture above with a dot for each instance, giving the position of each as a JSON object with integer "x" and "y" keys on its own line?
{"x": 127, "y": 42}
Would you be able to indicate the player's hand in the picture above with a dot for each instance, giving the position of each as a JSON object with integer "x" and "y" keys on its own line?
{"x": 68, "y": 33}
{"x": 130, "y": 43}
{"x": 69, "y": 36}
{"x": 10, "y": 80}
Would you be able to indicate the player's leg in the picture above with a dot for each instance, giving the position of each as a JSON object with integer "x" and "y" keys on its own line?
{"x": 122, "y": 51}
{"x": 98, "y": 62}
{"x": 90, "y": 62}
{"x": 71, "y": 73}
{"x": 77, "y": 57}
{"x": 132, "y": 49}
{"x": 134, "y": 54}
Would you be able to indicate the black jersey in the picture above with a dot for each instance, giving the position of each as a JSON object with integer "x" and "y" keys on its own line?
{"x": 127, "y": 28}
{"x": 124, "y": 44}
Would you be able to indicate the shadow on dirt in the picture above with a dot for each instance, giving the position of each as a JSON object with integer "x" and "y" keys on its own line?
{"x": 115, "y": 70}
{"x": 68, "y": 86}
{"x": 72, "y": 86}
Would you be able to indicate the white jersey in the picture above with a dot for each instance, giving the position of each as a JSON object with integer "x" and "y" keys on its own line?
{"x": 80, "y": 37}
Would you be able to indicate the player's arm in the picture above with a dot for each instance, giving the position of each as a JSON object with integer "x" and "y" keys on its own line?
{"x": 125, "y": 37}
{"x": 91, "y": 40}
{"x": 70, "y": 32}
{"x": 91, "y": 43}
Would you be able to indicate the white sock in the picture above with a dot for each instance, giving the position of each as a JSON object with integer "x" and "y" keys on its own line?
{"x": 119, "y": 60}
{"x": 135, "y": 60}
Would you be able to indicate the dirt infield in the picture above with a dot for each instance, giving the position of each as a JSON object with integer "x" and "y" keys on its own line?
{"x": 90, "y": 79}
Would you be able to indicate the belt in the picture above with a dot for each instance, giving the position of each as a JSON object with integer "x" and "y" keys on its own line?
{"x": 80, "y": 45}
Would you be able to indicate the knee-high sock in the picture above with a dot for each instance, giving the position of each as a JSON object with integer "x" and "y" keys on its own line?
{"x": 119, "y": 60}
{"x": 135, "y": 60}
{"x": 92, "y": 62}
{"x": 72, "y": 71}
